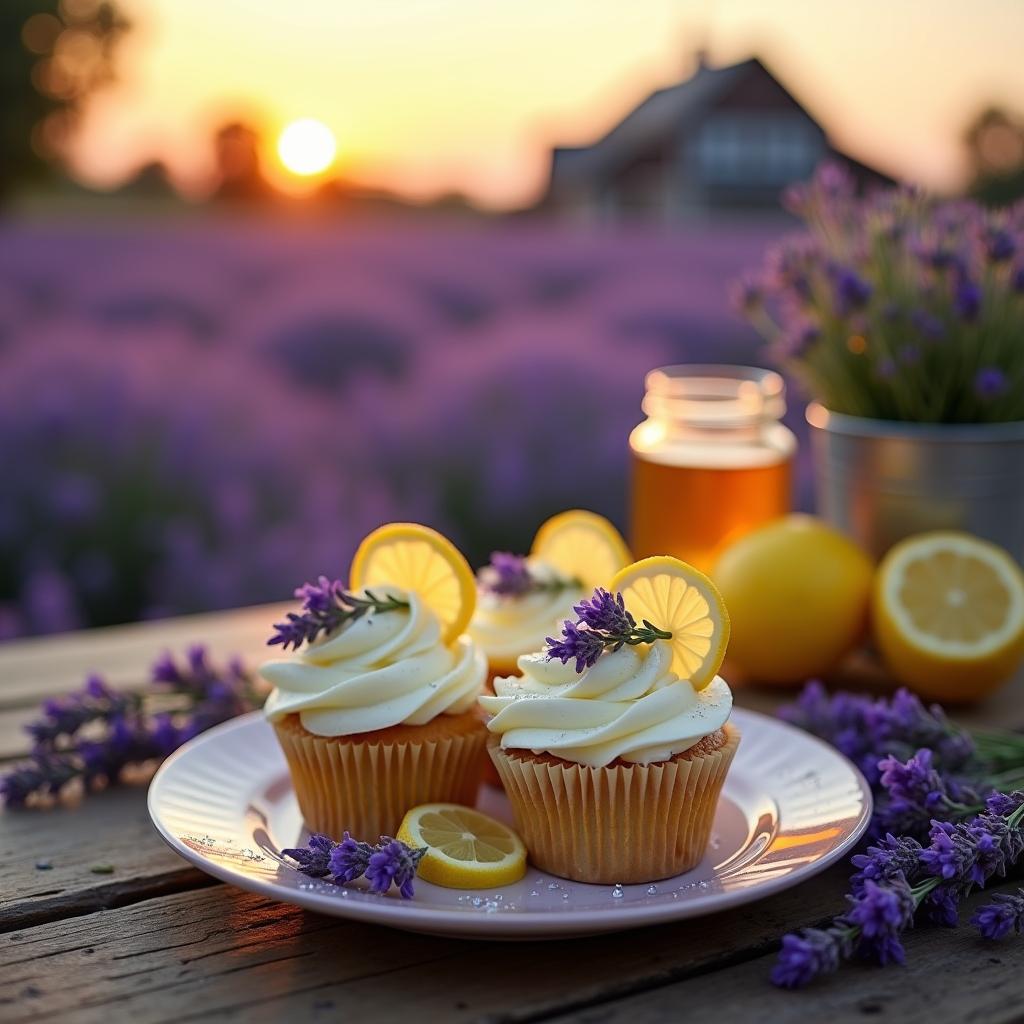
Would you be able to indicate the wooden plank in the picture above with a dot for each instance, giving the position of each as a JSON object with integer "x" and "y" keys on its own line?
{"x": 221, "y": 953}
{"x": 14, "y": 741}
{"x": 110, "y": 829}
{"x": 49, "y": 666}
{"x": 259, "y": 960}
{"x": 951, "y": 975}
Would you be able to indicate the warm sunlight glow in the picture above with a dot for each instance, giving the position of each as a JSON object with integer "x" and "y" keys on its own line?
{"x": 306, "y": 147}
{"x": 429, "y": 97}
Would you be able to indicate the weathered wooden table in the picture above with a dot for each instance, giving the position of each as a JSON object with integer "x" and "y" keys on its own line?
{"x": 158, "y": 941}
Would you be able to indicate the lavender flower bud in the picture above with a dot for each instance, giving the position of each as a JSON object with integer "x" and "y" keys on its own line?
{"x": 393, "y": 862}
{"x": 326, "y": 606}
{"x": 165, "y": 670}
{"x": 1004, "y": 914}
{"x": 967, "y": 300}
{"x": 942, "y": 905}
{"x": 951, "y": 853}
{"x": 582, "y": 645}
{"x": 349, "y": 859}
{"x": 882, "y": 912}
{"x": 813, "y": 952}
{"x": 605, "y": 611}
{"x": 1004, "y": 804}
{"x": 1000, "y": 245}
{"x": 507, "y": 575}
{"x": 990, "y": 382}
{"x": 315, "y": 858}
{"x": 889, "y": 858}
{"x": 851, "y": 291}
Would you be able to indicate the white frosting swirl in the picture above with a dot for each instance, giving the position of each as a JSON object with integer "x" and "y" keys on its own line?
{"x": 629, "y": 705}
{"x": 506, "y": 626}
{"x": 380, "y": 670}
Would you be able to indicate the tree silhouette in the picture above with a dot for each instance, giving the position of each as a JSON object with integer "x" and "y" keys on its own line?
{"x": 53, "y": 56}
{"x": 236, "y": 148}
{"x": 995, "y": 152}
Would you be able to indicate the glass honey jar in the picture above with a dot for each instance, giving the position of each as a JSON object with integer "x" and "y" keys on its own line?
{"x": 711, "y": 461}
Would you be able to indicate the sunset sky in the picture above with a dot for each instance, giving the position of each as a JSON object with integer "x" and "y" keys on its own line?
{"x": 429, "y": 96}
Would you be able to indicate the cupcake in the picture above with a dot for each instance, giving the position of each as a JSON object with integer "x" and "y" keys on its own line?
{"x": 522, "y": 600}
{"x": 614, "y": 742}
{"x": 375, "y": 709}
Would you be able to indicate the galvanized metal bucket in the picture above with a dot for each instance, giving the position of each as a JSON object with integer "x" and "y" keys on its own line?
{"x": 880, "y": 481}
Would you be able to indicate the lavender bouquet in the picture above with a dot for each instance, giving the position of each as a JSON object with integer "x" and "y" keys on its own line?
{"x": 94, "y": 736}
{"x": 897, "y": 306}
{"x": 949, "y": 817}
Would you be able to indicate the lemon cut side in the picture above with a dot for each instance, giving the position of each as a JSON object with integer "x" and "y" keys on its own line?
{"x": 465, "y": 849}
{"x": 582, "y": 545}
{"x": 948, "y": 613}
{"x": 419, "y": 559}
{"x": 675, "y": 596}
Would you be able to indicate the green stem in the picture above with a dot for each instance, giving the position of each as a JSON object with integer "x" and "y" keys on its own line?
{"x": 555, "y": 586}
{"x": 646, "y": 634}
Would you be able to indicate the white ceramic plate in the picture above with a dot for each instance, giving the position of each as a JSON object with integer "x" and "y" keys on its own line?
{"x": 791, "y": 806}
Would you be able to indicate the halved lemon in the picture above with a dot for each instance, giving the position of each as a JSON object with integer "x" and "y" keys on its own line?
{"x": 417, "y": 558}
{"x": 948, "y": 614}
{"x": 674, "y": 596}
{"x": 582, "y": 545}
{"x": 465, "y": 849}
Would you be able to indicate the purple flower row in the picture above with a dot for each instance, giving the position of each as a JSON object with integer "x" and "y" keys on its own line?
{"x": 231, "y": 407}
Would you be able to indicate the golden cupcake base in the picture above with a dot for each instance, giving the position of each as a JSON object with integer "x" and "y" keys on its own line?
{"x": 364, "y": 784}
{"x": 622, "y": 823}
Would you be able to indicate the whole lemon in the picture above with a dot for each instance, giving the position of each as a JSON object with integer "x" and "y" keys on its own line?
{"x": 797, "y": 593}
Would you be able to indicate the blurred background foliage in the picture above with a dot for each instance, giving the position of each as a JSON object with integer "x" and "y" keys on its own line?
{"x": 210, "y": 391}
{"x": 53, "y": 57}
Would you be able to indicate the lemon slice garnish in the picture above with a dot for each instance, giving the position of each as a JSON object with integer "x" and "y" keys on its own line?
{"x": 948, "y": 612}
{"x": 419, "y": 559}
{"x": 676, "y": 597}
{"x": 582, "y": 545}
{"x": 465, "y": 849}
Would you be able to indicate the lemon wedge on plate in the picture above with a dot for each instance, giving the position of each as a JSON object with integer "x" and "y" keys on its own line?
{"x": 948, "y": 614}
{"x": 419, "y": 559}
{"x": 465, "y": 849}
{"x": 674, "y": 596}
{"x": 582, "y": 545}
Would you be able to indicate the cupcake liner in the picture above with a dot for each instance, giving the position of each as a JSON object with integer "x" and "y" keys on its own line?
{"x": 365, "y": 785}
{"x": 627, "y": 823}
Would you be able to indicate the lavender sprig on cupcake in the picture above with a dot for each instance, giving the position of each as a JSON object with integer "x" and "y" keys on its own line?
{"x": 389, "y": 862}
{"x": 326, "y": 605}
{"x": 508, "y": 575}
{"x": 603, "y": 624}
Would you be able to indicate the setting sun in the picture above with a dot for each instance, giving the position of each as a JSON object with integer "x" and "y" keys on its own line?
{"x": 306, "y": 147}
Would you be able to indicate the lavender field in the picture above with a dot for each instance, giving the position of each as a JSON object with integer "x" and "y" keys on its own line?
{"x": 200, "y": 416}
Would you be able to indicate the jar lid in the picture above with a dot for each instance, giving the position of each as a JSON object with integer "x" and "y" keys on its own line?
{"x": 715, "y": 396}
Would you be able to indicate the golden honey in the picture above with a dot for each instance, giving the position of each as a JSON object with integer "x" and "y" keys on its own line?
{"x": 710, "y": 463}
